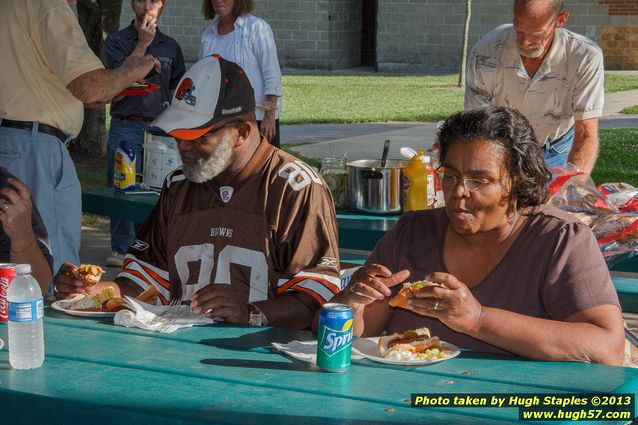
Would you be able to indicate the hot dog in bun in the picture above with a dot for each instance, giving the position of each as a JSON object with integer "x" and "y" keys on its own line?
{"x": 414, "y": 344}
{"x": 149, "y": 296}
{"x": 409, "y": 291}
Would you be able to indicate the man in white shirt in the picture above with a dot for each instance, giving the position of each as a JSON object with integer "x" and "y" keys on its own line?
{"x": 552, "y": 75}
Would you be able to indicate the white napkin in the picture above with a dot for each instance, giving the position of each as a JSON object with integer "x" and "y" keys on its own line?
{"x": 306, "y": 351}
{"x": 144, "y": 314}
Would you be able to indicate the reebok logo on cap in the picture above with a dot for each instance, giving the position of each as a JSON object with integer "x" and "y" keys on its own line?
{"x": 211, "y": 92}
{"x": 231, "y": 111}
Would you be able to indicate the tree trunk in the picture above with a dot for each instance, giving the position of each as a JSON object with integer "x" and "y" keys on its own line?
{"x": 98, "y": 19}
{"x": 466, "y": 30}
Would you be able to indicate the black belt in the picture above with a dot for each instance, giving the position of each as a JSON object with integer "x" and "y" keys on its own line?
{"x": 133, "y": 117}
{"x": 42, "y": 128}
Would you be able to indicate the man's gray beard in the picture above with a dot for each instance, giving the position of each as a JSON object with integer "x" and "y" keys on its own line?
{"x": 534, "y": 53}
{"x": 207, "y": 169}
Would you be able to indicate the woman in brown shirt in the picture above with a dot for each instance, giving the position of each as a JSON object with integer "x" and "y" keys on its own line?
{"x": 520, "y": 277}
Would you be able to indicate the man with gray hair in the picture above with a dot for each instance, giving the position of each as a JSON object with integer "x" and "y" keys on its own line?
{"x": 550, "y": 74}
{"x": 243, "y": 232}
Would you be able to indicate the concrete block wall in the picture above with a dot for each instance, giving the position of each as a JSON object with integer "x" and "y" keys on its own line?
{"x": 302, "y": 31}
{"x": 622, "y": 7}
{"x": 310, "y": 34}
{"x": 426, "y": 36}
{"x": 413, "y": 36}
{"x": 345, "y": 33}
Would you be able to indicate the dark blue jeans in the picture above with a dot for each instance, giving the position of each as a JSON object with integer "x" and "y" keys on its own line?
{"x": 556, "y": 155}
{"x": 123, "y": 231}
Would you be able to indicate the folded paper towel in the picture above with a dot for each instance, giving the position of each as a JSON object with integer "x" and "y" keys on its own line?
{"x": 144, "y": 316}
{"x": 306, "y": 351}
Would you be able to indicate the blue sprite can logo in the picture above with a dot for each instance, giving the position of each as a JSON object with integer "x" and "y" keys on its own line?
{"x": 334, "y": 339}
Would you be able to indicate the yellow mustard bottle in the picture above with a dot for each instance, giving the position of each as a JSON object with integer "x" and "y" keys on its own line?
{"x": 414, "y": 183}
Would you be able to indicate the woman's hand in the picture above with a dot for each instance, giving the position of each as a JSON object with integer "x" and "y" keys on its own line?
{"x": 67, "y": 283}
{"x": 369, "y": 284}
{"x": 15, "y": 215}
{"x": 268, "y": 128}
{"x": 454, "y": 304}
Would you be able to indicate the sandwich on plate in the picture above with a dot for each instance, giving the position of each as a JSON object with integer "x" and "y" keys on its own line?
{"x": 409, "y": 291}
{"x": 416, "y": 344}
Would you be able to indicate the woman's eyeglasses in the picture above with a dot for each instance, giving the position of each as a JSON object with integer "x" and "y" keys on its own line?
{"x": 449, "y": 181}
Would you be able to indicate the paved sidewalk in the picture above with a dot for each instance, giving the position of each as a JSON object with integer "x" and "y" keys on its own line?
{"x": 365, "y": 141}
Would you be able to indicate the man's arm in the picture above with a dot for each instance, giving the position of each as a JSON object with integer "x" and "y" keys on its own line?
{"x": 102, "y": 85}
{"x": 585, "y": 148}
{"x": 128, "y": 287}
{"x": 292, "y": 311}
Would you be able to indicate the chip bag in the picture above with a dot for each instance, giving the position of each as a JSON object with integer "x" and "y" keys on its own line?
{"x": 617, "y": 236}
{"x": 575, "y": 192}
{"x": 621, "y": 195}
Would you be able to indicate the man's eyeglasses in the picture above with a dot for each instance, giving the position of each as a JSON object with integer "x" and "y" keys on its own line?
{"x": 449, "y": 181}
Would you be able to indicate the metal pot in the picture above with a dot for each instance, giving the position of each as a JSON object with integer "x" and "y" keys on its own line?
{"x": 374, "y": 189}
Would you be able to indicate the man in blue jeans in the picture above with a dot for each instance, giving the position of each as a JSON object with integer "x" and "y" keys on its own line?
{"x": 131, "y": 116}
{"x": 48, "y": 75}
{"x": 551, "y": 75}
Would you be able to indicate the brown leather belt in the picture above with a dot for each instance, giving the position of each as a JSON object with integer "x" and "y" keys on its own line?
{"x": 42, "y": 128}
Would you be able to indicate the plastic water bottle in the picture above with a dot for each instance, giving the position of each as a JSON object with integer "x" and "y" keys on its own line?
{"x": 26, "y": 309}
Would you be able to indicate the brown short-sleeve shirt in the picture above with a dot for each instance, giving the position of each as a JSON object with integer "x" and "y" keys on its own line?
{"x": 553, "y": 270}
{"x": 269, "y": 231}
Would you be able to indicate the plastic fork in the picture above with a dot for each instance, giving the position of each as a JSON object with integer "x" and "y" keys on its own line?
{"x": 168, "y": 314}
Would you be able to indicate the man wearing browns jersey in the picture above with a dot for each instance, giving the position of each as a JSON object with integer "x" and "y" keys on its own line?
{"x": 244, "y": 231}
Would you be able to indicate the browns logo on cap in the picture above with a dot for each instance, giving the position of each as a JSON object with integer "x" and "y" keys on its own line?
{"x": 185, "y": 92}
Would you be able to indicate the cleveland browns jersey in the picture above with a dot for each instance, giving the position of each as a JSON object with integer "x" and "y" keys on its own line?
{"x": 270, "y": 230}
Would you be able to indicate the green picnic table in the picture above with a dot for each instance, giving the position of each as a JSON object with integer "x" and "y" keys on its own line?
{"x": 99, "y": 373}
{"x": 356, "y": 231}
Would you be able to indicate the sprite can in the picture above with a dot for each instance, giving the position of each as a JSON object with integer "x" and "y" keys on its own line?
{"x": 334, "y": 338}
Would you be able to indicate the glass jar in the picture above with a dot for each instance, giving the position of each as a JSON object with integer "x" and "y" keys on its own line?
{"x": 335, "y": 173}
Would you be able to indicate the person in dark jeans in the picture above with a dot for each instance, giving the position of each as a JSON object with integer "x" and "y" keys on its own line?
{"x": 131, "y": 115}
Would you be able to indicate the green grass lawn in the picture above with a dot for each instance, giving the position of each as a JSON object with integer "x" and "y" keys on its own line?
{"x": 630, "y": 110}
{"x": 615, "y": 82}
{"x": 341, "y": 99}
{"x": 348, "y": 99}
{"x": 618, "y": 157}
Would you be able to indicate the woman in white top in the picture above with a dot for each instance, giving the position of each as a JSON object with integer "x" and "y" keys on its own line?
{"x": 247, "y": 40}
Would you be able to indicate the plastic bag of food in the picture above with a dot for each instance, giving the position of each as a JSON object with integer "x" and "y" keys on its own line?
{"x": 575, "y": 192}
{"x": 621, "y": 195}
{"x": 617, "y": 236}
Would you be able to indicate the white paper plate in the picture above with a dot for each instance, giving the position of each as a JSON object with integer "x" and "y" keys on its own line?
{"x": 369, "y": 348}
{"x": 62, "y": 305}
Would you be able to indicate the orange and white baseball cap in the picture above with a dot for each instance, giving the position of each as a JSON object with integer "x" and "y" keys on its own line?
{"x": 210, "y": 94}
